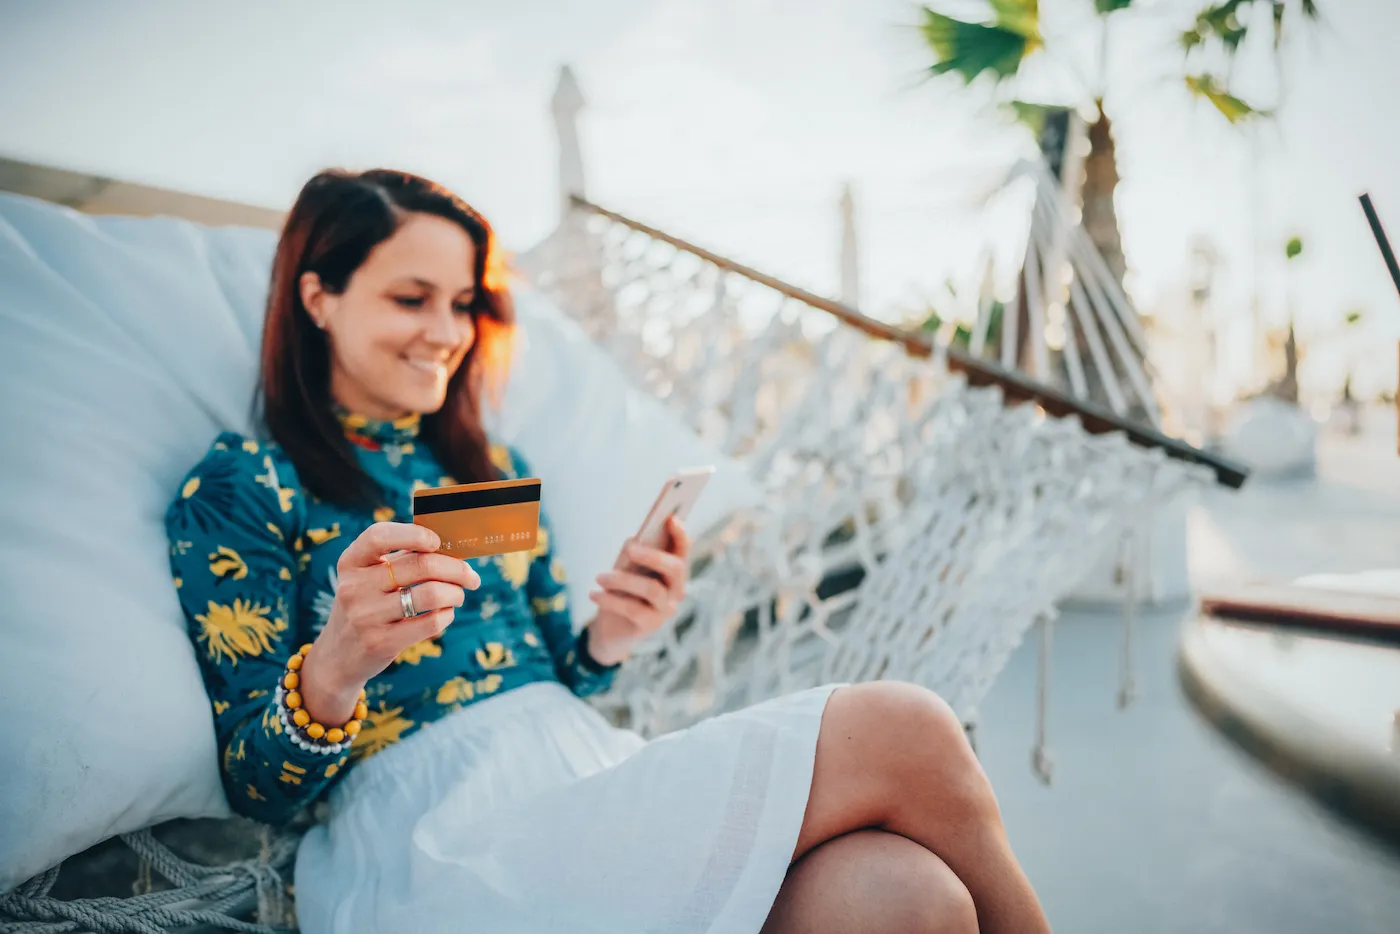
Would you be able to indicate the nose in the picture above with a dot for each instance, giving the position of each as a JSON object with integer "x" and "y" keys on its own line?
{"x": 445, "y": 328}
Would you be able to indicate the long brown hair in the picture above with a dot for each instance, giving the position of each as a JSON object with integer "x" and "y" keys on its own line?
{"x": 338, "y": 218}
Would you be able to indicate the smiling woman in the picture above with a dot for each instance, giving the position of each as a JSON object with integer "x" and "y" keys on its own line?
{"x": 388, "y": 296}
{"x": 437, "y": 704}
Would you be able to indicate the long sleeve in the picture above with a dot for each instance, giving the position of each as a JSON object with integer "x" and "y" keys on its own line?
{"x": 235, "y": 551}
{"x": 549, "y": 600}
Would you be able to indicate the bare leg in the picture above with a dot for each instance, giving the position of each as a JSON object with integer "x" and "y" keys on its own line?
{"x": 893, "y": 757}
{"x": 871, "y": 882}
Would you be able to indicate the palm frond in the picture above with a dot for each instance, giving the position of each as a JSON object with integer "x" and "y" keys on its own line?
{"x": 1231, "y": 107}
{"x": 969, "y": 49}
{"x": 1019, "y": 16}
{"x": 1031, "y": 114}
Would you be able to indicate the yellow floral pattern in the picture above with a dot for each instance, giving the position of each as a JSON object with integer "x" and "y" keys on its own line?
{"x": 255, "y": 561}
{"x": 382, "y": 728}
{"x": 225, "y": 562}
{"x": 515, "y": 567}
{"x": 494, "y": 655}
{"x": 418, "y": 651}
{"x": 500, "y": 456}
{"x": 321, "y": 536}
{"x": 240, "y": 630}
{"x": 457, "y": 691}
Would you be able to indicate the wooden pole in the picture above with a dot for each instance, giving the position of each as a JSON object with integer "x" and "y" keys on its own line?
{"x": 1383, "y": 242}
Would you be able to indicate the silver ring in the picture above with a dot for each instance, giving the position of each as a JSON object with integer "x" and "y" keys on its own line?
{"x": 406, "y": 601}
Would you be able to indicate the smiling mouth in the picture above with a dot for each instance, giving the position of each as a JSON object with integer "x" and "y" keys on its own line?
{"x": 430, "y": 367}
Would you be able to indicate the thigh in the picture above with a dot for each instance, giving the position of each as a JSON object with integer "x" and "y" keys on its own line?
{"x": 871, "y": 881}
{"x": 886, "y": 746}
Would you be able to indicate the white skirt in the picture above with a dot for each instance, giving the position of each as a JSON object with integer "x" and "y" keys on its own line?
{"x": 528, "y": 813}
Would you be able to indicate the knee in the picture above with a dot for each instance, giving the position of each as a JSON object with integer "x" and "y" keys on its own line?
{"x": 912, "y": 719}
{"x": 925, "y": 747}
{"x": 937, "y": 900}
{"x": 911, "y": 890}
{"x": 872, "y": 881}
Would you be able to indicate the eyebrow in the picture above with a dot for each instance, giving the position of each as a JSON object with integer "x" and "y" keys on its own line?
{"x": 432, "y": 287}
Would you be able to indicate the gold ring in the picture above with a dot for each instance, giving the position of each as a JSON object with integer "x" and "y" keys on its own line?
{"x": 393, "y": 584}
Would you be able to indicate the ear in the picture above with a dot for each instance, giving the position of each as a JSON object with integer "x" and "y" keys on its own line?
{"x": 314, "y": 298}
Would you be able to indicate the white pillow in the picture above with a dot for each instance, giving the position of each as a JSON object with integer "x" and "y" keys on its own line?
{"x": 125, "y": 346}
{"x": 602, "y": 448}
{"x": 123, "y": 350}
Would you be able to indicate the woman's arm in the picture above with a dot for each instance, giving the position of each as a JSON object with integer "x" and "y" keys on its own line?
{"x": 235, "y": 550}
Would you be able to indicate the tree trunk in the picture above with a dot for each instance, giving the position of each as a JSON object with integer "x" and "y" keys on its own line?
{"x": 1100, "y": 220}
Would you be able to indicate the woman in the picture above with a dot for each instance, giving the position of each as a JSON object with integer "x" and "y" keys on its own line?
{"x": 435, "y": 702}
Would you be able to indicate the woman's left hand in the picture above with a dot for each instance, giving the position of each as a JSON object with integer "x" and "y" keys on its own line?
{"x": 634, "y": 603}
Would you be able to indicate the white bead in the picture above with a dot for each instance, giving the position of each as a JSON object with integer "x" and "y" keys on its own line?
{"x": 336, "y": 747}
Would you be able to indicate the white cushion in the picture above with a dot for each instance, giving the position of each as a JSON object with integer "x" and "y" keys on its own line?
{"x": 602, "y": 448}
{"x": 125, "y": 346}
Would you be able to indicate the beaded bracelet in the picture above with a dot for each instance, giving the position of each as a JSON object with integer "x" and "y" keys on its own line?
{"x": 304, "y": 732}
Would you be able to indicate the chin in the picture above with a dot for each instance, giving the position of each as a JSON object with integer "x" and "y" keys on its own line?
{"x": 424, "y": 404}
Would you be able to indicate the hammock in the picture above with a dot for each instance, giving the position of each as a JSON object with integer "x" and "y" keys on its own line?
{"x": 917, "y": 523}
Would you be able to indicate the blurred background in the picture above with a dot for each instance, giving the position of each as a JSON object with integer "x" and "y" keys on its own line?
{"x": 877, "y": 151}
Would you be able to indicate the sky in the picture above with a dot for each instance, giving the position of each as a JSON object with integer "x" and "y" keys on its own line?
{"x": 735, "y": 123}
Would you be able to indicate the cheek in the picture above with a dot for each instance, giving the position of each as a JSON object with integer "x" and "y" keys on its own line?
{"x": 372, "y": 338}
{"x": 466, "y": 328}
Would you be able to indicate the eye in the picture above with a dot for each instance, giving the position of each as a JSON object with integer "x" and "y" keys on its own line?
{"x": 409, "y": 301}
{"x": 465, "y": 306}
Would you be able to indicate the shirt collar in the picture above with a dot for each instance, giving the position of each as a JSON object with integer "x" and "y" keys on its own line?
{"x": 379, "y": 432}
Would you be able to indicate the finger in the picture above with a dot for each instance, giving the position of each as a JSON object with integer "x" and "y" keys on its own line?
{"x": 428, "y": 625}
{"x": 640, "y": 616}
{"x": 671, "y": 568}
{"x": 647, "y": 589}
{"x": 433, "y": 595}
{"x": 679, "y": 544}
{"x": 417, "y": 567}
{"x": 383, "y": 537}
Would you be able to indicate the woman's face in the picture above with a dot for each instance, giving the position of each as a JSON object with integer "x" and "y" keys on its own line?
{"x": 403, "y": 324}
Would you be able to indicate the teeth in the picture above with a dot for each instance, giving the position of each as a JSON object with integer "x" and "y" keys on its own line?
{"x": 428, "y": 366}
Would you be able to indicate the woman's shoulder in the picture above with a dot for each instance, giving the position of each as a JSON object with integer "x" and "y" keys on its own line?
{"x": 239, "y": 473}
{"x": 508, "y": 460}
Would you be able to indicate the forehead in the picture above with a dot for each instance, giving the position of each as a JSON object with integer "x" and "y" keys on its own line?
{"x": 425, "y": 247}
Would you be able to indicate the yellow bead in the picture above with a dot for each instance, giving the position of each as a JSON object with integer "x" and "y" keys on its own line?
{"x": 304, "y": 649}
{"x": 315, "y": 731}
{"x": 301, "y": 717}
{"x": 293, "y": 700}
{"x": 335, "y": 735}
{"x": 295, "y": 662}
{"x": 290, "y": 681}
{"x": 362, "y": 694}
{"x": 352, "y": 727}
{"x": 361, "y": 711}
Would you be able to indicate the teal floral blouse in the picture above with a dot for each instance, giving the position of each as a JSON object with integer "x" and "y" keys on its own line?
{"x": 254, "y": 560}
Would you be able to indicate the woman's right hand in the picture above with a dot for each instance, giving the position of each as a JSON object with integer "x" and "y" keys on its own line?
{"x": 366, "y": 629}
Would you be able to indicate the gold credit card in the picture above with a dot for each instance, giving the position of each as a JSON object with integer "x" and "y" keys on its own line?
{"x": 478, "y": 519}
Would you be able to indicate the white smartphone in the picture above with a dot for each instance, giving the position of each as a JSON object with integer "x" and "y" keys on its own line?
{"x": 676, "y": 498}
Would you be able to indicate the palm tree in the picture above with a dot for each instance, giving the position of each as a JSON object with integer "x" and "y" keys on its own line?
{"x": 1006, "y": 44}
